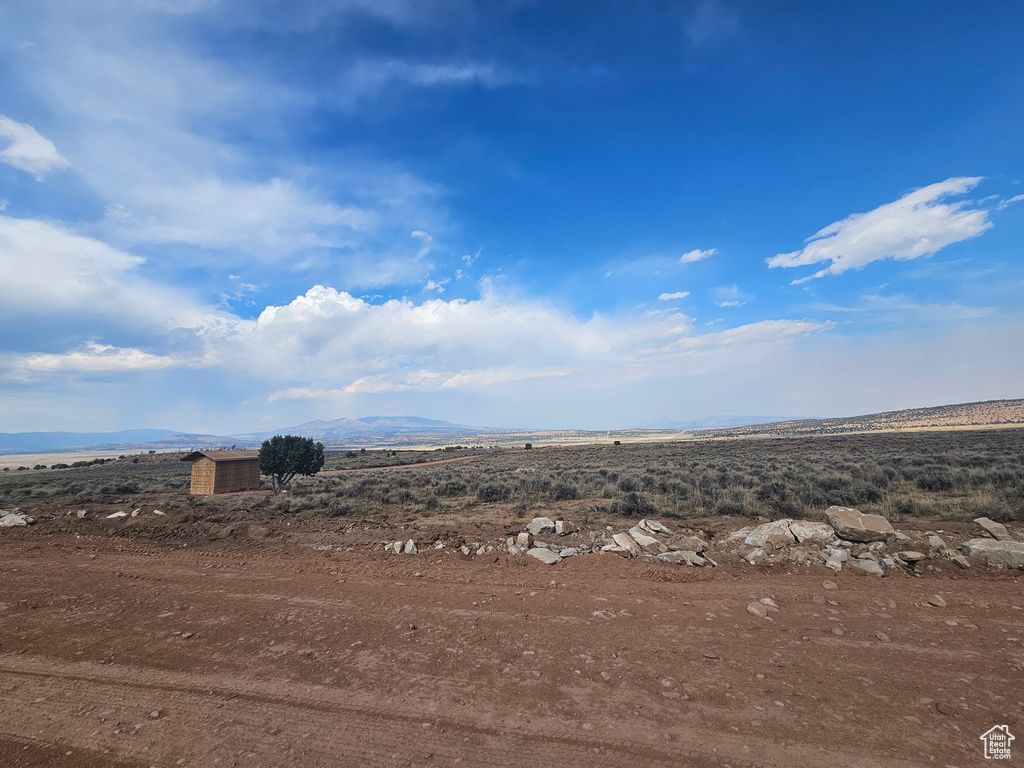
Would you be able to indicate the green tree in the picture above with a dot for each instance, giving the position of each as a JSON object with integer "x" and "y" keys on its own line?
{"x": 285, "y": 456}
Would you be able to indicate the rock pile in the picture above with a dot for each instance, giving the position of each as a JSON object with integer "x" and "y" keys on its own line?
{"x": 9, "y": 518}
{"x": 846, "y": 539}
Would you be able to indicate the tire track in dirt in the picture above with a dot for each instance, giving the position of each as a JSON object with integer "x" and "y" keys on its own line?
{"x": 208, "y": 718}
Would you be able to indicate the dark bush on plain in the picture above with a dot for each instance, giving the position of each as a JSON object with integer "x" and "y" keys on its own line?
{"x": 492, "y": 492}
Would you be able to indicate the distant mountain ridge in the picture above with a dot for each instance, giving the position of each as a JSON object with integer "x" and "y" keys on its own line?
{"x": 14, "y": 442}
{"x": 397, "y": 431}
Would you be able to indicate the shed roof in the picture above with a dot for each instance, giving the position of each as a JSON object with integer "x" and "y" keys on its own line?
{"x": 222, "y": 455}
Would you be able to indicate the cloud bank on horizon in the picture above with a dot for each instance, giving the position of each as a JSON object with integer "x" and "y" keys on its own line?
{"x": 489, "y": 216}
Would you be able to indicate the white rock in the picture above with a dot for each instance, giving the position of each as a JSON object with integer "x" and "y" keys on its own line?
{"x": 1009, "y": 554}
{"x": 158, "y": 512}
{"x": 116, "y": 515}
{"x": 682, "y": 558}
{"x": 540, "y": 525}
{"x": 625, "y": 541}
{"x": 136, "y": 512}
{"x": 411, "y": 548}
{"x": 772, "y": 605}
{"x": 803, "y": 530}
{"x": 836, "y": 559}
{"x": 757, "y": 609}
{"x": 957, "y": 558}
{"x": 755, "y": 556}
{"x": 646, "y": 541}
{"x": 736, "y": 537}
{"x": 546, "y": 556}
{"x": 775, "y": 534}
{"x": 615, "y": 549}
{"x": 524, "y": 540}
{"x": 396, "y": 547}
{"x": 567, "y": 552}
{"x": 868, "y": 566}
{"x": 936, "y": 543}
{"x": 653, "y": 526}
{"x": 996, "y": 530}
{"x": 564, "y": 527}
{"x": 687, "y": 544}
{"x": 12, "y": 519}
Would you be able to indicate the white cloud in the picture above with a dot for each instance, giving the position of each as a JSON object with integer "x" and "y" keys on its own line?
{"x": 358, "y": 348}
{"x": 54, "y": 274}
{"x": 29, "y": 150}
{"x": 145, "y": 120}
{"x": 437, "y": 285}
{"x": 673, "y": 296}
{"x": 729, "y": 296}
{"x": 366, "y": 79}
{"x": 94, "y": 358}
{"x": 917, "y": 225}
{"x": 697, "y": 255}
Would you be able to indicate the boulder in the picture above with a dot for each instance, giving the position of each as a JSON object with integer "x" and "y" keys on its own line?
{"x": 546, "y": 556}
{"x": 1009, "y": 554}
{"x": 955, "y": 557}
{"x": 524, "y": 540}
{"x": 564, "y": 527}
{"x": 851, "y": 525}
{"x": 735, "y": 538}
{"x": 541, "y": 525}
{"x": 567, "y": 552}
{"x": 936, "y": 543}
{"x": 836, "y": 559}
{"x": 653, "y": 526}
{"x": 868, "y": 566}
{"x": 803, "y": 530}
{"x": 755, "y": 556}
{"x": 910, "y": 556}
{"x": 625, "y": 541}
{"x": 757, "y": 609}
{"x": 775, "y": 534}
{"x": 646, "y": 541}
{"x": 682, "y": 558}
{"x": 687, "y": 544}
{"x": 411, "y": 548}
{"x": 116, "y": 515}
{"x": 996, "y": 530}
{"x": 615, "y": 549}
{"x": 12, "y": 519}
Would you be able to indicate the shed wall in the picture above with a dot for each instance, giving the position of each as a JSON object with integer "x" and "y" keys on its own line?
{"x": 203, "y": 476}
{"x": 209, "y": 476}
{"x": 237, "y": 476}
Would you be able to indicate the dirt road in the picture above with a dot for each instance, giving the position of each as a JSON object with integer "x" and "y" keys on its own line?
{"x": 116, "y": 654}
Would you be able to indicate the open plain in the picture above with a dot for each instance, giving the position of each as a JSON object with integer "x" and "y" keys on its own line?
{"x": 263, "y": 631}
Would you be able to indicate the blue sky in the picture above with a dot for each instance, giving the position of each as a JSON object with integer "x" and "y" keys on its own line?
{"x": 226, "y": 216}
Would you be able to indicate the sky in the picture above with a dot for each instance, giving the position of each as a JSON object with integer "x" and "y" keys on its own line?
{"x": 224, "y": 216}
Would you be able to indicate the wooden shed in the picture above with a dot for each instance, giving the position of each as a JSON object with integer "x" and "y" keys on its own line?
{"x": 224, "y": 471}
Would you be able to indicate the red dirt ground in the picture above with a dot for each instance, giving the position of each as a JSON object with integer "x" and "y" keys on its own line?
{"x": 356, "y": 659}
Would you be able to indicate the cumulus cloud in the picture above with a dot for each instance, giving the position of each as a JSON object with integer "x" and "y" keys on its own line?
{"x": 673, "y": 296}
{"x": 356, "y": 347}
{"x": 29, "y": 150}
{"x": 917, "y": 225}
{"x": 697, "y": 255}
